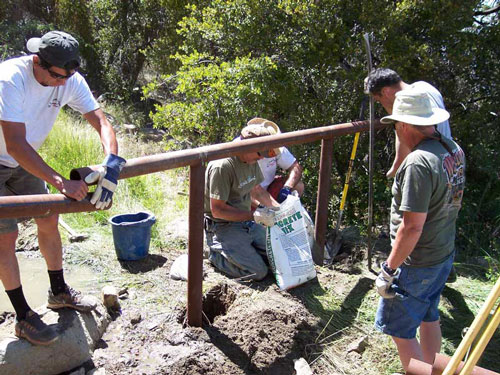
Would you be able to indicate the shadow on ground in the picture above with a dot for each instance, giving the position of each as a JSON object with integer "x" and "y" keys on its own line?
{"x": 149, "y": 263}
{"x": 338, "y": 319}
{"x": 462, "y": 316}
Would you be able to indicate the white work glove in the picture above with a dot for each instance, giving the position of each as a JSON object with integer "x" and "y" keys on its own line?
{"x": 384, "y": 282}
{"x": 107, "y": 179}
{"x": 264, "y": 216}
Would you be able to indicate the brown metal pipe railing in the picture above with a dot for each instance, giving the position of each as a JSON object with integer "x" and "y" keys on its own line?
{"x": 26, "y": 206}
{"x": 417, "y": 367}
{"x": 170, "y": 160}
{"x": 441, "y": 361}
{"x": 20, "y": 206}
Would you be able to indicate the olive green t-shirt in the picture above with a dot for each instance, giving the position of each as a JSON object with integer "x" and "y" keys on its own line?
{"x": 231, "y": 180}
{"x": 430, "y": 180}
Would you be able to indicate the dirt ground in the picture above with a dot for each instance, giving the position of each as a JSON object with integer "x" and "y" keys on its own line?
{"x": 245, "y": 333}
{"x": 249, "y": 327}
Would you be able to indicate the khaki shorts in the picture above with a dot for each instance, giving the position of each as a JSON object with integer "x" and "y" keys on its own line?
{"x": 16, "y": 181}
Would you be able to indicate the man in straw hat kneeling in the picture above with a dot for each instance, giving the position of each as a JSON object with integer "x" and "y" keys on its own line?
{"x": 281, "y": 185}
{"x": 427, "y": 195}
{"x": 236, "y": 235}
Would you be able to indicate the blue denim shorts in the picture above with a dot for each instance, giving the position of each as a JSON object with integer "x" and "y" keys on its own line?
{"x": 419, "y": 290}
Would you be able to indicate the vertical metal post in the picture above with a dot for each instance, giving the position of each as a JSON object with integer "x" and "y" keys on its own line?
{"x": 366, "y": 38}
{"x": 325, "y": 170}
{"x": 195, "y": 244}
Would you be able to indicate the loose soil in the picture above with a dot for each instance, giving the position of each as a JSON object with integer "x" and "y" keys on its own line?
{"x": 249, "y": 327}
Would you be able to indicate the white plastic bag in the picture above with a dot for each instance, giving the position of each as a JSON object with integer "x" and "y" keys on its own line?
{"x": 289, "y": 243}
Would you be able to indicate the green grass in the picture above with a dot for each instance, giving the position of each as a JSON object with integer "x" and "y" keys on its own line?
{"x": 346, "y": 306}
{"x": 74, "y": 143}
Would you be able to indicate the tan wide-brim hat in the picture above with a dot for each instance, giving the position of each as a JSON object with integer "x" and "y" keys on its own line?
{"x": 260, "y": 127}
{"x": 414, "y": 107}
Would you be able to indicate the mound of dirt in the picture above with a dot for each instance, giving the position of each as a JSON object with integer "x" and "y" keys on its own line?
{"x": 246, "y": 332}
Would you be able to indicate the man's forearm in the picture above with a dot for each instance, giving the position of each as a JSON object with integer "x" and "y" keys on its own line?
{"x": 294, "y": 175}
{"x": 261, "y": 196}
{"x": 100, "y": 123}
{"x": 406, "y": 239}
{"x": 32, "y": 162}
{"x": 230, "y": 213}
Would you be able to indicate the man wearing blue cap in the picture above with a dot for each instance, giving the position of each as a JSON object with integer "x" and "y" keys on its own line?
{"x": 33, "y": 89}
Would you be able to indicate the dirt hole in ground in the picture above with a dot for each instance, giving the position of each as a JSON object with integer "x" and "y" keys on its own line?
{"x": 217, "y": 301}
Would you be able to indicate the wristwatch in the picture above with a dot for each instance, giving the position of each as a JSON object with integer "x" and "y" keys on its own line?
{"x": 388, "y": 269}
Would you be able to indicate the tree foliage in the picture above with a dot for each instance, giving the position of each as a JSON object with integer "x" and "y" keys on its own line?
{"x": 214, "y": 64}
{"x": 313, "y": 73}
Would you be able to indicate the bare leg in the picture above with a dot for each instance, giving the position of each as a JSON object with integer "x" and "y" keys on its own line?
{"x": 9, "y": 268}
{"x": 402, "y": 152}
{"x": 408, "y": 349}
{"x": 49, "y": 240}
{"x": 430, "y": 340}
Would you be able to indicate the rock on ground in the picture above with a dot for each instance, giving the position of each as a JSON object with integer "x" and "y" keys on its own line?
{"x": 79, "y": 333}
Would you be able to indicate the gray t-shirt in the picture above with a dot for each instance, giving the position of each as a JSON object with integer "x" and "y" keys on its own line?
{"x": 430, "y": 180}
{"x": 230, "y": 180}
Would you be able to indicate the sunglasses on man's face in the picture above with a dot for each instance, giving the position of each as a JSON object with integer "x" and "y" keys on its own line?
{"x": 59, "y": 76}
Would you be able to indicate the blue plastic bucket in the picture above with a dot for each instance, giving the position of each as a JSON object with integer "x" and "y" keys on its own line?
{"x": 132, "y": 234}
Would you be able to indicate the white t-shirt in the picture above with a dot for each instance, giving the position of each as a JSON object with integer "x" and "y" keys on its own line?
{"x": 23, "y": 99}
{"x": 269, "y": 165}
{"x": 437, "y": 101}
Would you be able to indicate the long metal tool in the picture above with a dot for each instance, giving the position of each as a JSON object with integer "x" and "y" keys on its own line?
{"x": 366, "y": 38}
{"x": 337, "y": 243}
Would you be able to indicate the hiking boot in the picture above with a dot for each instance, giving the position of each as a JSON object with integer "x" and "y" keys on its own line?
{"x": 33, "y": 329}
{"x": 71, "y": 298}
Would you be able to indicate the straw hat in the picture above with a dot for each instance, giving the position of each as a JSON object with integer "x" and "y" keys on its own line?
{"x": 260, "y": 127}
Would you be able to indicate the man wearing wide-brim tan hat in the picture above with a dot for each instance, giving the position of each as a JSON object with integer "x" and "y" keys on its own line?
{"x": 427, "y": 196}
{"x": 280, "y": 185}
{"x": 235, "y": 235}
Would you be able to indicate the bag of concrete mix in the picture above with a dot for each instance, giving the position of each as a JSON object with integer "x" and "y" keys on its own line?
{"x": 289, "y": 243}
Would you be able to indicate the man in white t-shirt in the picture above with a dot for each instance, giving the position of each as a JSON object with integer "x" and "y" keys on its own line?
{"x": 383, "y": 84}
{"x": 280, "y": 186}
{"x": 33, "y": 89}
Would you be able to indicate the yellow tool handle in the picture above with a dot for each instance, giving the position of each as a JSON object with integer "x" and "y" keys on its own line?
{"x": 349, "y": 170}
{"x": 481, "y": 344}
{"x": 475, "y": 327}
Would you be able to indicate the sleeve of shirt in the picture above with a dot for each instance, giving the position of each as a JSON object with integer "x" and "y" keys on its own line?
{"x": 219, "y": 183}
{"x": 11, "y": 102}
{"x": 285, "y": 159}
{"x": 82, "y": 99}
{"x": 416, "y": 189}
{"x": 259, "y": 177}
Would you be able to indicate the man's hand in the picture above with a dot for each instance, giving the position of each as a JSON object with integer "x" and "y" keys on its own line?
{"x": 107, "y": 179}
{"x": 384, "y": 282}
{"x": 72, "y": 189}
{"x": 264, "y": 216}
{"x": 283, "y": 194}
